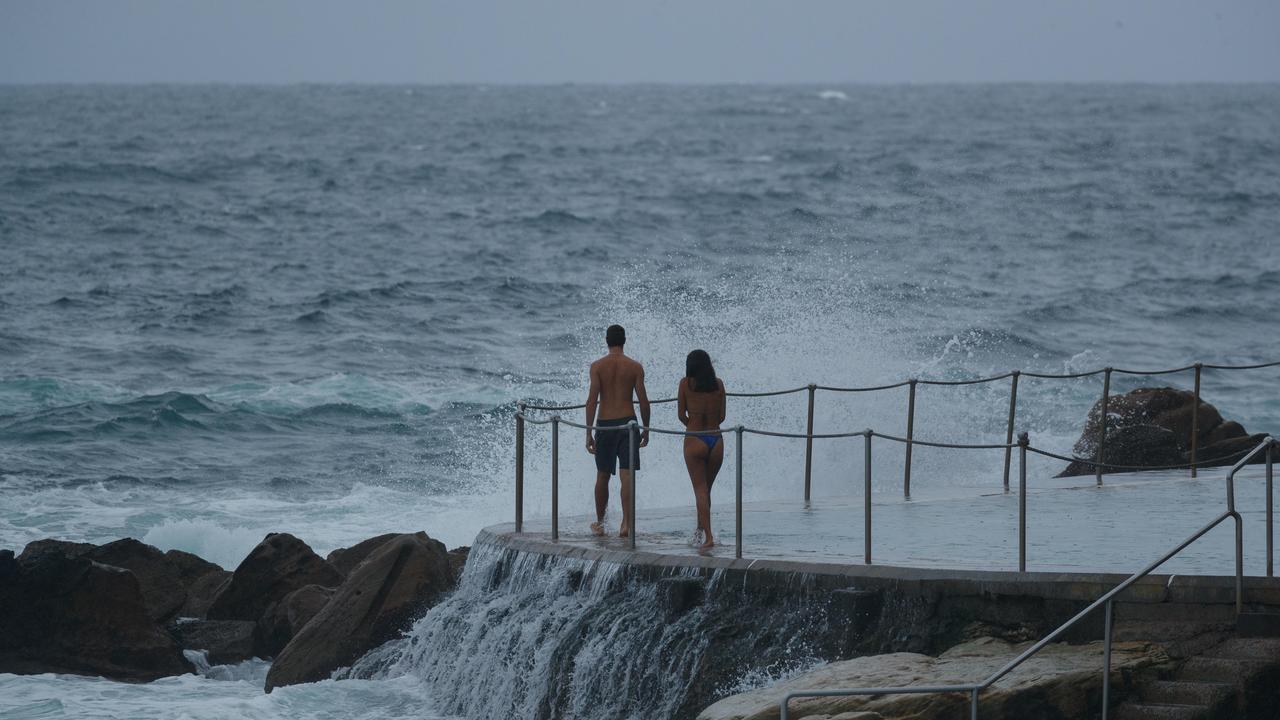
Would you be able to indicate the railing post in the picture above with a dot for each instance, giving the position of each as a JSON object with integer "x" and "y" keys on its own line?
{"x": 737, "y": 499}
{"x": 808, "y": 445}
{"x": 1106, "y": 663}
{"x": 1270, "y": 555}
{"x": 1195, "y": 422}
{"x": 1239, "y": 562}
{"x": 1023, "y": 441}
{"x": 555, "y": 477}
{"x": 911, "y": 423}
{"x": 866, "y": 499}
{"x": 520, "y": 467}
{"x": 973, "y": 704}
{"x": 1102, "y": 429}
{"x": 1008, "y": 433}
{"x": 634, "y": 430}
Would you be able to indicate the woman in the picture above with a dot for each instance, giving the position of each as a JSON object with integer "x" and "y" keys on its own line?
{"x": 700, "y": 407}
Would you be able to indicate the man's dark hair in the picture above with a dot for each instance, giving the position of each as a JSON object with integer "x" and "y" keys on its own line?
{"x": 615, "y": 336}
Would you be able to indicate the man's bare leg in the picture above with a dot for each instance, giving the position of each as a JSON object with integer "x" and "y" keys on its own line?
{"x": 625, "y": 477}
{"x": 602, "y": 501}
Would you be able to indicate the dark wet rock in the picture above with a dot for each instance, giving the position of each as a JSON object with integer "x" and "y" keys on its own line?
{"x": 346, "y": 559}
{"x": 283, "y": 620}
{"x": 280, "y": 564}
{"x": 380, "y": 599}
{"x": 37, "y": 548}
{"x": 225, "y": 641}
{"x": 1152, "y": 427}
{"x": 62, "y": 612}
{"x": 202, "y": 593}
{"x": 458, "y": 559}
{"x": 163, "y": 577}
{"x": 8, "y": 565}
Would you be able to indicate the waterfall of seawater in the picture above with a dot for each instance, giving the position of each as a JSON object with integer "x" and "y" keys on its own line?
{"x": 536, "y": 636}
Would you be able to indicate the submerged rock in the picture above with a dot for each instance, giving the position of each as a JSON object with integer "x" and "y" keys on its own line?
{"x": 383, "y": 594}
{"x": 1152, "y": 427}
{"x": 62, "y": 612}
{"x": 277, "y": 566}
{"x": 1060, "y": 681}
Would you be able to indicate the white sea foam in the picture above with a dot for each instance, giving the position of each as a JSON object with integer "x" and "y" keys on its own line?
{"x": 195, "y": 697}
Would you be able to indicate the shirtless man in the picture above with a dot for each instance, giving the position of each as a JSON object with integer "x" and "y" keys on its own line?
{"x": 614, "y": 378}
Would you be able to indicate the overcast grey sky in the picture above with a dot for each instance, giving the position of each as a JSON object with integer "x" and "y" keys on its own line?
{"x": 550, "y": 41}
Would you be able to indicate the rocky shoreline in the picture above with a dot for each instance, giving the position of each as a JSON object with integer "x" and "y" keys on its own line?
{"x": 127, "y": 611}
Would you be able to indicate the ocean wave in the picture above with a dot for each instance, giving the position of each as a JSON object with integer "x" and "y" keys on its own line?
{"x": 103, "y": 172}
{"x": 551, "y": 219}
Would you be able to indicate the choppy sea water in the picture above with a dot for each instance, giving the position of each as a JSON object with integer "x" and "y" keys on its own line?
{"x": 226, "y": 311}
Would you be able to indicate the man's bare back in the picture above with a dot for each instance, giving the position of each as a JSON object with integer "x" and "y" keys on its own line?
{"x": 617, "y": 377}
{"x": 615, "y": 380}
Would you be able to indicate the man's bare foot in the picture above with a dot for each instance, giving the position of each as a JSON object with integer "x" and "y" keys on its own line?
{"x": 708, "y": 544}
{"x": 624, "y": 531}
{"x": 597, "y": 528}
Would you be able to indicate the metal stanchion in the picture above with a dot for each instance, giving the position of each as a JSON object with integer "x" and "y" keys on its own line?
{"x": 911, "y": 423}
{"x": 1270, "y": 555}
{"x": 737, "y": 500}
{"x": 1102, "y": 428}
{"x": 555, "y": 477}
{"x": 520, "y": 468}
{"x": 1106, "y": 663}
{"x": 808, "y": 446}
{"x": 1023, "y": 441}
{"x": 634, "y": 430}
{"x": 866, "y": 500}
{"x": 1008, "y": 434}
{"x": 1195, "y": 422}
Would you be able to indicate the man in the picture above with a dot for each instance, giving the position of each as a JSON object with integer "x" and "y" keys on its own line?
{"x": 614, "y": 378}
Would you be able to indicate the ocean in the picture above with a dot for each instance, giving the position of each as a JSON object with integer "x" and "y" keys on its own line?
{"x": 227, "y": 310}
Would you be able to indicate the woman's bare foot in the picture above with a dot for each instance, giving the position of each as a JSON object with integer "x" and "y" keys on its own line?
{"x": 597, "y": 528}
{"x": 624, "y": 530}
{"x": 708, "y": 544}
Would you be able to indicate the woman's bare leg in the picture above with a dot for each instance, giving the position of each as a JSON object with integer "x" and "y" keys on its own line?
{"x": 695, "y": 459}
{"x": 715, "y": 459}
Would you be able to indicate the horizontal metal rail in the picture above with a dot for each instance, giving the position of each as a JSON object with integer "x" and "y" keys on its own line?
{"x": 966, "y": 381}
{"x": 1105, "y": 601}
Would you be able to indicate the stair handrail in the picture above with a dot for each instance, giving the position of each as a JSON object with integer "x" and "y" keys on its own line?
{"x": 973, "y": 689}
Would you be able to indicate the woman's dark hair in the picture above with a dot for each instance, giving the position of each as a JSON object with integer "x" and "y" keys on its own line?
{"x": 701, "y": 374}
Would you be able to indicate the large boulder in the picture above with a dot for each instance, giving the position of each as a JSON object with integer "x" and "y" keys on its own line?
{"x": 66, "y": 613}
{"x": 285, "y": 619}
{"x": 1061, "y": 681}
{"x": 1152, "y": 427}
{"x": 38, "y": 548}
{"x": 202, "y": 593}
{"x": 382, "y": 596}
{"x": 346, "y": 559}
{"x": 163, "y": 577}
{"x": 280, "y": 564}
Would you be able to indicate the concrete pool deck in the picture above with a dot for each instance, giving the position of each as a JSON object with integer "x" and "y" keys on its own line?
{"x": 1080, "y": 536}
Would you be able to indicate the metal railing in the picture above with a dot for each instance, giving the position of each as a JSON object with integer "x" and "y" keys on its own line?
{"x": 1106, "y": 602}
{"x": 1023, "y": 445}
{"x": 1013, "y": 376}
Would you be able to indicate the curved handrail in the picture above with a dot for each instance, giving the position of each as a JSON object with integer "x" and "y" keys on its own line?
{"x": 1105, "y": 600}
